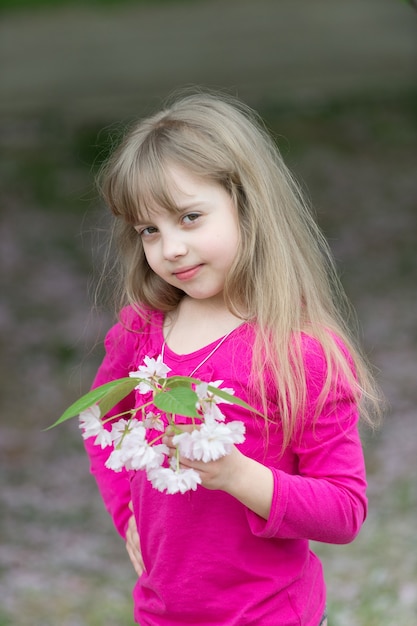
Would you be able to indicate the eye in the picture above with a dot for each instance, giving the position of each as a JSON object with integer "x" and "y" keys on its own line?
{"x": 147, "y": 231}
{"x": 190, "y": 218}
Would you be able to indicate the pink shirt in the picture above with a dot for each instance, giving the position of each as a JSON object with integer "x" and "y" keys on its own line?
{"x": 210, "y": 560}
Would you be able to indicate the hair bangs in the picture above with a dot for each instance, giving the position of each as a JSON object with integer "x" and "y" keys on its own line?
{"x": 153, "y": 190}
{"x": 143, "y": 186}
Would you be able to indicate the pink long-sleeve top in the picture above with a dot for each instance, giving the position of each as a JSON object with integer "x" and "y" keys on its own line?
{"x": 208, "y": 559}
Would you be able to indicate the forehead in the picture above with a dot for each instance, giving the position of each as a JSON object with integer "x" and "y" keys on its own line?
{"x": 148, "y": 188}
{"x": 172, "y": 189}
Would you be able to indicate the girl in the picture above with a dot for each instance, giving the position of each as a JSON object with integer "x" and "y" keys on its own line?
{"x": 225, "y": 274}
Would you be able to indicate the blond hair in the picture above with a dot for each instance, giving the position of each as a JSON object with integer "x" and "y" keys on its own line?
{"x": 283, "y": 278}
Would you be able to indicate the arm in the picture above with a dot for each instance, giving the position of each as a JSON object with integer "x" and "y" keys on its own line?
{"x": 243, "y": 478}
{"x": 133, "y": 544}
{"x": 327, "y": 500}
{"x": 324, "y": 497}
{"x": 114, "y": 487}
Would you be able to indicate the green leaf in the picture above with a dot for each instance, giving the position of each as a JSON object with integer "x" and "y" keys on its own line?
{"x": 232, "y": 399}
{"x": 89, "y": 399}
{"x": 178, "y": 400}
{"x": 179, "y": 381}
{"x": 115, "y": 394}
{"x": 177, "y": 397}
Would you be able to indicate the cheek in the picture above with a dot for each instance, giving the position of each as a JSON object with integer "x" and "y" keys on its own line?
{"x": 148, "y": 255}
{"x": 233, "y": 243}
{"x": 150, "y": 261}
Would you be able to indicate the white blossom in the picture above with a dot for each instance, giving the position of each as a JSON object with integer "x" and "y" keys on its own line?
{"x": 147, "y": 457}
{"x": 185, "y": 444}
{"x": 115, "y": 461}
{"x": 129, "y": 437}
{"x": 119, "y": 429}
{"x": 238, "y": 430}
{"x": 210, "y": 442}
{"x": 208, "y": 401}
{"x": 137, "y": 453}
{"x": 153, "y": 420}
{"x": 132, "y": 451}
{"x": 212, "y": 411}
{"x": 151, "y": 372}
{"x": 90, "y": 422}
{"x": 103, "y": 438}
{"x": 174, "y": 481}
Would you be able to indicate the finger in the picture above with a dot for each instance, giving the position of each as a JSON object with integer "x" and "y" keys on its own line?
{"x": 133, "y": 546}
{"x": 167, "y": 440}
{"x": 136, "y": 562}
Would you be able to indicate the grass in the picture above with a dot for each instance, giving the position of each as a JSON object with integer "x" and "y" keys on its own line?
{"x": 371, "y": 581}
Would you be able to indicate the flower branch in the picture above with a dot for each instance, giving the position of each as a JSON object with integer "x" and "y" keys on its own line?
{"x": 135, "y": 435}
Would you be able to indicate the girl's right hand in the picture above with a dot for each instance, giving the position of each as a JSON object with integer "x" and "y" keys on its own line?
{"x": 133, "y": 544}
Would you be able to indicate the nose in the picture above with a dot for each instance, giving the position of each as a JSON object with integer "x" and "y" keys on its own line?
{"x": 173, "y": 246}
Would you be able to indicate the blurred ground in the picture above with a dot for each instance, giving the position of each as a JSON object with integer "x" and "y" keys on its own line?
{"x": 335, "y": 81}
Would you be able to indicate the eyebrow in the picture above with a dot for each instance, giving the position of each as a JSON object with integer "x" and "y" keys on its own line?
{"x": 186, "y": 206}
{"x": 190, "y": 205}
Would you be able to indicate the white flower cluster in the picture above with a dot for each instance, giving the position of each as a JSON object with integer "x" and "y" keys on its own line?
{"x": 209, "y": 441}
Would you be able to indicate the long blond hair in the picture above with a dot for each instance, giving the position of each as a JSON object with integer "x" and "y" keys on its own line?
{"x": 283, "y": 278}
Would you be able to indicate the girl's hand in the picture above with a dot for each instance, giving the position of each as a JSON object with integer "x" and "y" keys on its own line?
{"x": 133, "y": 544}
{"x": 244, "y": 478}
{"x": 220, "y": 474}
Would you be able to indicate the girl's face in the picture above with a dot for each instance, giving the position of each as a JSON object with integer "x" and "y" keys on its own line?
{"x": 192, "y": 248}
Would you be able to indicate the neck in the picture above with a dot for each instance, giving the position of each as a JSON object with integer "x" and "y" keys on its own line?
{"x": 197, "y": 323}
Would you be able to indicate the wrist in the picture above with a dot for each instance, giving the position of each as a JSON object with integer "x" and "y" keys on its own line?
{"x": 252, "y": 484}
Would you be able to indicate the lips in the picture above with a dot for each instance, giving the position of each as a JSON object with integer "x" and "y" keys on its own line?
{"x": 187, "y": 273}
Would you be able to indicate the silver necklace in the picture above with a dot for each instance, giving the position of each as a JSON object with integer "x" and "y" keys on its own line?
{"x": 216, "y": 347}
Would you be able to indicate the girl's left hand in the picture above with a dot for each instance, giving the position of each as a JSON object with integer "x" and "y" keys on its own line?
{"x": 245, "y": 479}
{"x": 220, "y": 474}
{"x": 133, "y": 544}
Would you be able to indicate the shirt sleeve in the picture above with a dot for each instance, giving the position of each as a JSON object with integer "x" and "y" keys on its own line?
{"x": 325, "y": 500}
{"x": 114, "y": 486}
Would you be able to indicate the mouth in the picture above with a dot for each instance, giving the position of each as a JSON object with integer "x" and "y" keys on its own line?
{"x": 187, "y": 273}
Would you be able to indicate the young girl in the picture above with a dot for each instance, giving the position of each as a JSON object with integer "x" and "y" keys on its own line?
{"x": 224, "y": 273}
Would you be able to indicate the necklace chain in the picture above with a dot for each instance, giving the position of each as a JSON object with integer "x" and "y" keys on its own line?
{"x": 216, "y": 347}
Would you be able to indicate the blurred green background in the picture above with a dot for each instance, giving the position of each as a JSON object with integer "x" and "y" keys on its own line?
{"x": 335, "y": 82}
